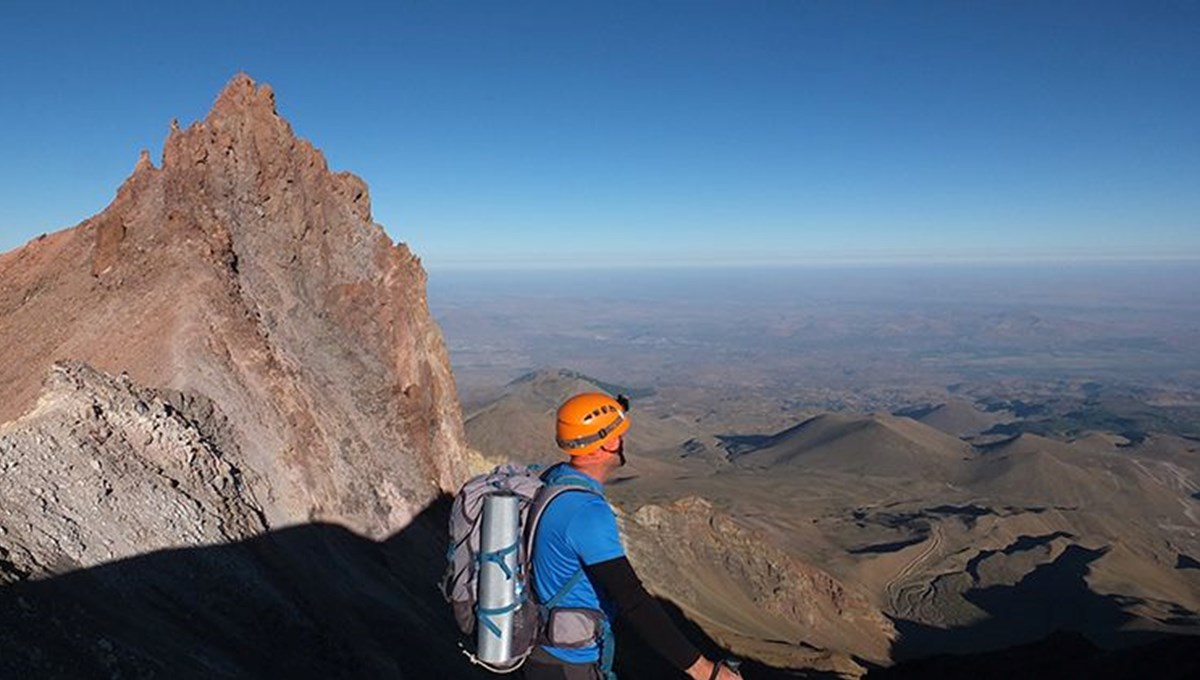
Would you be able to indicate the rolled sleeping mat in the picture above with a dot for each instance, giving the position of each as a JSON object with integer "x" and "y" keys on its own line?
{"x": 499, "y": 540}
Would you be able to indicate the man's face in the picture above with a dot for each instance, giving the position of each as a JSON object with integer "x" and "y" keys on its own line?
{"x": 616, "y": 449}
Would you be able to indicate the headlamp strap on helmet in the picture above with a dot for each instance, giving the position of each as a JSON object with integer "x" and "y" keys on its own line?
{"x": 599, "y": 436}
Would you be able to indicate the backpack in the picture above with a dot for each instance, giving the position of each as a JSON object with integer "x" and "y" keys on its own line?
{"x": 508, "y": 640}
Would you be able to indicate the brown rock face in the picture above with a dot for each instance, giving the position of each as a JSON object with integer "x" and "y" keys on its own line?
{"x": 754, "y": 598}
{"x": 246, "y": 272}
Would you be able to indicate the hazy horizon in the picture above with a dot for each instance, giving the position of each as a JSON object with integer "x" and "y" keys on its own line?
{"x": 1168, "y": 277}
{"x": 860, "y": 337}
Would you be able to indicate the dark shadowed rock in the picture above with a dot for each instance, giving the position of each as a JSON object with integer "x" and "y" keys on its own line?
{"x": 308, "y": 601}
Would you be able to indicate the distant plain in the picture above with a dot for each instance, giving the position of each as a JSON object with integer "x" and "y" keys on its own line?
{"x": 757, "y": 345}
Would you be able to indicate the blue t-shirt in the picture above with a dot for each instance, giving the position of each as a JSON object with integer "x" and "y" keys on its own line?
{"x": 577, "y": 528}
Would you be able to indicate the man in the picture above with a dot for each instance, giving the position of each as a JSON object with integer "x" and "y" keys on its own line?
{"x": 580, "y": 572}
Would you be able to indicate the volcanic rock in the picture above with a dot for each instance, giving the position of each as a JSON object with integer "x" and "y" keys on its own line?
{"x": 104, "y": 469}
{"x": 246, "y": 272}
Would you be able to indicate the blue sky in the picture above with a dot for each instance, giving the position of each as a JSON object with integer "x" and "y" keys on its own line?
{"x": 517, "y": 133}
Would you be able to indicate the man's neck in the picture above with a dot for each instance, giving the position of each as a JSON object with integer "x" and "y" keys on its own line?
{"x": 598, "y": 473}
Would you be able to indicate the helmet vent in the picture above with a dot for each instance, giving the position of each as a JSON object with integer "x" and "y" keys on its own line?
{"x": 603, "y": 409}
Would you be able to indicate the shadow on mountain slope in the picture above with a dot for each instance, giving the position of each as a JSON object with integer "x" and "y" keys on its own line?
{"x": 1052, "y": 598}
{"x": 309, "y": 601}
{"x": 1060, "y": 656}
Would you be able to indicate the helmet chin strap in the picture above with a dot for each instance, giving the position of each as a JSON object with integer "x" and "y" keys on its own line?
{"x": 620, "y": 451}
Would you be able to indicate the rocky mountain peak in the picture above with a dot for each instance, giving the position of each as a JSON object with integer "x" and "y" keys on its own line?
{"x": 241, "y": 98}
{"x": 244, "y": 270}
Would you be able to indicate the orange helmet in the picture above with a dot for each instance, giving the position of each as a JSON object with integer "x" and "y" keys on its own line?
{"x": 586, "y": 420}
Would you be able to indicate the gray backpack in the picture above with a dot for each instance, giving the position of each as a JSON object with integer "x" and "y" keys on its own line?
{"x": 528, "y": 625}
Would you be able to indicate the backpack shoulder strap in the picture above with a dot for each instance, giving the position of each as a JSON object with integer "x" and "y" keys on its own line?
{"x": 548, "y": 494}
{"x": 540, "y": 503}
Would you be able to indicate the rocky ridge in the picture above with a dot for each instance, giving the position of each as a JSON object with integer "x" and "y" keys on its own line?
{"x": 103, "y": 469}
{"x": 245, "y": 271}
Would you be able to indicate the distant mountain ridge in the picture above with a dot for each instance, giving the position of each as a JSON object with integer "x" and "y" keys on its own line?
{"x": 871, "y": 445}
{"x": 562, "y": 373}
{"x": 955, "y": 416}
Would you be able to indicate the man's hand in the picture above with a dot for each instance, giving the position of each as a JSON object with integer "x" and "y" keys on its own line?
{"x": 704, "y": 669}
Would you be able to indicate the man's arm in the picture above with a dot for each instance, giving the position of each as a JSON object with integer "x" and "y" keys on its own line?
{"x": 646, "y": 616}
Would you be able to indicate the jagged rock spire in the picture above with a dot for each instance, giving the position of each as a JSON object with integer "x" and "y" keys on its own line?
{"x": 243, "y": 268}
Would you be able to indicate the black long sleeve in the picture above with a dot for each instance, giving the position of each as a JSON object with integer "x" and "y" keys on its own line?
{"x": 640, "y": 611}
